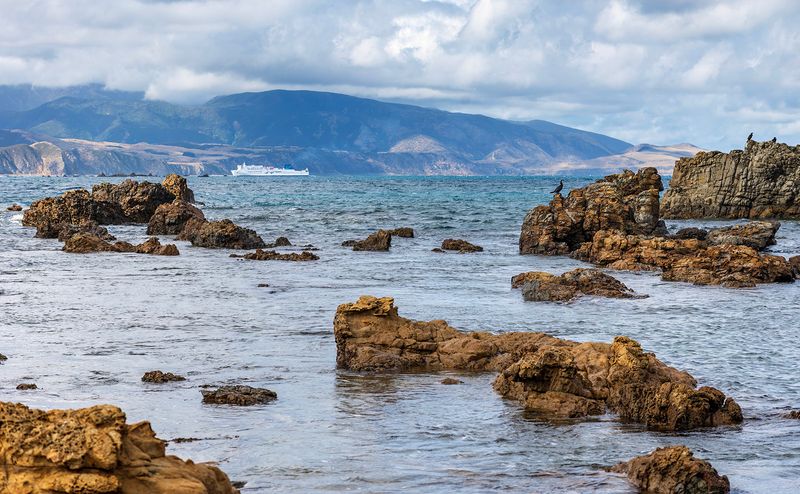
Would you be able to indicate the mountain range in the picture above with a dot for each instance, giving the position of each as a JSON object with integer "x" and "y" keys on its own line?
{"x": 89, "y": 130}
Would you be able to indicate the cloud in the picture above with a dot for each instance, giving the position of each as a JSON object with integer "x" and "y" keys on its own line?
{"x": 702, "y": 71}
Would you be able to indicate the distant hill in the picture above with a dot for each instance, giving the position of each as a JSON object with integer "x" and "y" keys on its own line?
{"x": 661, "y": 157}
{"x": 22, "y": 97}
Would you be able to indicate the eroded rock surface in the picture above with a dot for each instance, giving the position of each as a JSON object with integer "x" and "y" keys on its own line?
{"x": 673, "y": 470}
{"x": 178, "y": 187}
{"x": 93, "y": 451}
{"x": 271, "y": 255}
{"x": 462, "y": 246}
{"x": 760, "y": 181}
{"x": 91, "y": 227}
{"x": 403, "y": 232}
{"x": 83, "y": 243}
{"x": 222, "y": 234}
{"x": 171, "y": 218}
{"x": 756, "y": 234}
{"x": 159, "y": 377}
{"x": 550, "y": 376}
{"x": 238, "y": 395}
{"x": 378, "y": 241}
{"x": 540, "y": 286}
{"x": 138, "y": 200}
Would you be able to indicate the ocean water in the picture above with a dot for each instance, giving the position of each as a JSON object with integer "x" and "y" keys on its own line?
{"x": 86, "y": 327}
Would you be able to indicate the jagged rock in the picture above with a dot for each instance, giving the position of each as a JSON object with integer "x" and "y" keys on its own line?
{"x": 673, "y": 470}
{"x": 73, "y": 207}
{"x": 223, "y": 234}
{"x": 26, "y": 386}
{"x": 402, "y": 232}
{"x": 550, "y": 376}
{"x": 451, "y": 381}
{"x": 14, "y": 207}
{"x": 271, "y": 255}
{"x": 171, "y": 218}
{"x": 756, "y": 234}
{"x": 93, "y": 451}
{"x": 138, "y": 200}
{"x": 378, "y": 241}
{"x": 759, "y": 182}
{"x": 177, "y": 186}
{"x": 91, "y": 227}
{"x": 691, "y": 232}
{"x": 540, "y": 286}
{"x": 159, "y": 377}
{"x": 83, "y": 243}
{"x": 626, "y": 202}
{"x": 238, "y": 395}
{"x": 462, "y": 246}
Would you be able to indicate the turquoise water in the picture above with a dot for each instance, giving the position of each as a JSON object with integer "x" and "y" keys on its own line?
{"x": 86, "y": 327}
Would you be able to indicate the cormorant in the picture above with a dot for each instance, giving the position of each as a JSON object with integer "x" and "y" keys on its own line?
{"x": 774, "y": 139}
{"x": 750, "y": 137}
{"x": 558, "y": 189}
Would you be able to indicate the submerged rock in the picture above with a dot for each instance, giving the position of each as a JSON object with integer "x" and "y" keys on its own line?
{"x": 451, "y": 381}
{"x": 626, "y": 202}
{"x": 159, "y": 377}
{"x": 378, "y": 241}
{"x": 757, "y": 182}
{"x": 548, "y": 375}
{"x": 93, "y": 451}
{"x": 14, "y": 207}
{"x": 462, "y": 246}
{"x": 178, "y": 187}
{"x": 402, "y": 232}
{"x": 271, "y": 255}
{"x": 673, "y": 470}
{"x": 222, "y": 234}
{"x": 238, "y": 395}
{"x": 26, "y": 386}
{"x": 83, "y": 243}
{"x": 539, "y": 286}
{"x": 171, "y": 218}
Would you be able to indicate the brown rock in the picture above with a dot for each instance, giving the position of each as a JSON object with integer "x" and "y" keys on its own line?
{"x": 271, "y": 255}
{"x": 755, "y": 234}
{"x": 462, "y": 246}
{"x": 626, "y": 202}
{"x": 83, "y": 243}
{"x": 223, "y": 234}
{"x": 794, "y": 262}
{"x": 93, "y": 451}
{"x": 3, "y": 357}
{"x": 89, "y": 226}
{"x": 349, "y": 243}
{"x": 14, "y": 207}
{"x": 177, "y": 186}
{"x": 238, "y": 395}
{"x": 794, "y": 414}
{"x": 282, "y": 242}
{"x": 171, "y": 218}
{"x": 673, "y": 470}
{"x": 759, "y": 182}
{"x": 159, "y": 377}
{"x": 550, "y": 376}
{"x": 73, "y": 207}
{"x": 539, "y": 286}
{"x": 451, "y": 381}
{"x": 438, "y": 250}
{"x": 138, "y": 200}
{"x": 691, "y": 232}
{"x": 378, "y": 241}
{"x": 26, "y": 386}
{"x": 403, "y": 232}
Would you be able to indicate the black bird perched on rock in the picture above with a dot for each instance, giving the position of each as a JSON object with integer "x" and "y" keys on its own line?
{"x": 774, "y": 139}
{"x": 558, "y": 189}
{"x": 750, "y": 137}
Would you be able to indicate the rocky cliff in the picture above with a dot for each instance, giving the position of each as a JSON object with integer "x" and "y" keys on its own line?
{"x": 761, "y": 181}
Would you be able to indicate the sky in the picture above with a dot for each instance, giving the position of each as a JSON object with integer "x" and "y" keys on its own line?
{"x": 706, "y": 72}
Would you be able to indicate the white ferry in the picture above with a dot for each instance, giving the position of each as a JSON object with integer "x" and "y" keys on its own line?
{"x": 266, "y": 171}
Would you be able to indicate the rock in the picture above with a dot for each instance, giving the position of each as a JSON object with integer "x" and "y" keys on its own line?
{"x": 626, "y": 202}
{"x": 73, "y": 207}
{"x": 171, "y": 218}
{"x": 238, "y": 395}
{"x": 91, "y": 227}
{"x": 756, "y": 234}
{"x": 349, "y": 243}
{"x": 691, "y": 232}
{"x": 673, "y": 470}
{"x": 282, "y": 242}
{"x": 26, "y": 386}
{"x": 794, "y": 414}
{"x": 794, "y": 262}
{"x": 93, "y": 451}
{"x": 177, "y": 186}
{"x": 403, "y": 232}
{"x": 378, "y": 241}
{"x": 223, "y": 234}
{"x": 14, "y": 207}
{"x": 3, "y": 357}
{"x": 438, "y": 250}
{"x": 159, "y": 377}
{"x": 263, "y": 285}
{"x": 451, "y": 380}
{"x": 138, "y": 200}
{"x": 539, "y": 286}
{"x": 83, "y": 243}
{"x": 271, "y": 255}
{"x": 549, "y": 376}
{"x": 759, "y": 182}
{"x": 462, "y": 246}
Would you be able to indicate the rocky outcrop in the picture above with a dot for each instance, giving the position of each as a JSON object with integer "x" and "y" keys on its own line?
{"x": 271, "y": 255}
{"x": 462, "y": 246}
{"x": 378, "y": 241}
{"x": 14, "y": 207}
{"x": 138, "y": 200}
{"x": 757, "y": 182}
{"x": 540, "y": 286}
{"x": 177, "y": 186}
{"x": 627, "y": 202}
{"x": 93, "y": 451}
{"x": 83, "y": 243}
{"x": 159, "y": 377}
{"x": 402, "y": 232}
{"x": 756, "y": 234}
{"x": 239, "y": 395}
{"x": 171, "y": 218}
{"x": 222, "y": 234}
{"x": 550, "y": 376}
{"x": 673, "y": 470}
{"x": 91, "y": 227}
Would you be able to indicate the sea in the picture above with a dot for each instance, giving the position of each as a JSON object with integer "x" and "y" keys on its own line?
{"x": 85, "y": 328}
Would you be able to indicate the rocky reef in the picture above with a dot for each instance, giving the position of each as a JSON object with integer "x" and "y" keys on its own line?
{"x": 271, "y": 255}
{"x": 673, "y": 470}
{"x": 160, "y": 377}
{"x": 222, "y": 234}
{"x": 402, "y": 232}
{"x": 549, "y": 376}
{"x": 378, "y": 241}
{"x": 540, "y": 286}
{"x": 461, "y": 246}
{"x": 83, "y": 243}
{"x": 757, "y": 182}
{"x": 239, "y": 395}
{"x": 93, "y": 451}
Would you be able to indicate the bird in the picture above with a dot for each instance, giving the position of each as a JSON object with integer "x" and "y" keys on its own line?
{"x": 750, "y": 137}
{"x": 774, "y": 139}
{"x": 558, "y": 189}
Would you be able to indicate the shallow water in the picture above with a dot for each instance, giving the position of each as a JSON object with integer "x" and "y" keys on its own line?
{"x": 86, "y": 327}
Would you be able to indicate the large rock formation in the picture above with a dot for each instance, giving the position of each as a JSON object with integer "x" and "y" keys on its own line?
{"x": 93, "y": 451}
{"x": 673, "y": 470}
{"x": 759, "y": 182}
{"x": 554, "y": 377}
{"x": 626, "y": 202}
{"x": 177, "y": 186}
{"x": 83, "y": 243}
{"x": 222, "y": 234}
{"x": 540, "y": 286}
{"x": 171, "y": 218}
